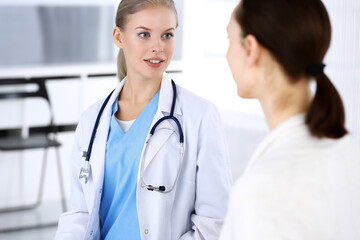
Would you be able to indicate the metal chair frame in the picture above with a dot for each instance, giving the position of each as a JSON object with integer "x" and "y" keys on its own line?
{"x": 44, "y": 133}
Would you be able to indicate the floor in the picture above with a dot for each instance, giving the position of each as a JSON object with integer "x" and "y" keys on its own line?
{"x": 47, "y": 214}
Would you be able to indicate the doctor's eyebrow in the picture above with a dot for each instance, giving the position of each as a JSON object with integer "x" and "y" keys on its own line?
{"x": 148, "y": 29}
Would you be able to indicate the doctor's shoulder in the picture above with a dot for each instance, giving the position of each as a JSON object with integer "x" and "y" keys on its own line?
{"x": 87, "y": 120}
{"x": 194, "y": 106}
{"x": 89, "y": 115}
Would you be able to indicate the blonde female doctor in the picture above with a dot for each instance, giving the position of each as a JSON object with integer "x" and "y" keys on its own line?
{"x": 174, "y": 185}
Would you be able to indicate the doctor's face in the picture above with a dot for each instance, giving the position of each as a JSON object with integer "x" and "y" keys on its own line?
{"x": 237, "y": 58}
{"x": 148, "y": 41}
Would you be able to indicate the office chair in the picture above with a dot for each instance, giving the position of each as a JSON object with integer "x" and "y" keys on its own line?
{"x": 43, "y": 137}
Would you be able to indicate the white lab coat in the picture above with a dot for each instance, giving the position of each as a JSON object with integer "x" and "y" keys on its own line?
{"x": 297, "y": 187}
{"x": 197, "y": 206}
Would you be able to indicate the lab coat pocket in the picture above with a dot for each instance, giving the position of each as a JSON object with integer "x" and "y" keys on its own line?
{"x": 88, "y": 191}
{"x": 162, "y": 159}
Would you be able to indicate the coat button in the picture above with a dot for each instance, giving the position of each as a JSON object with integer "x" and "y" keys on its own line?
{"x": 91, "y": 233}
{"x": 146, "y": 231}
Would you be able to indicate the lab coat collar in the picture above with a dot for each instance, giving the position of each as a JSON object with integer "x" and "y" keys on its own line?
{"x": 288, "y": 125}
{"x": 166, "y": 96}
{"x": 108, "y": 109}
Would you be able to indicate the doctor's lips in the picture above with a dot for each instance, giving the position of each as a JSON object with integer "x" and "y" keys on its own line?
{"x": 154, "y": 62}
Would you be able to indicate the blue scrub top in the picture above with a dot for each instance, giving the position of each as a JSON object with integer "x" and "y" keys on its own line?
{"x": 118, "y": 212}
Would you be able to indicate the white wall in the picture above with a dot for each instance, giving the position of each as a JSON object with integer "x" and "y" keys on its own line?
{"x": 343, "y": 58}
{"x": 206, "y": 73}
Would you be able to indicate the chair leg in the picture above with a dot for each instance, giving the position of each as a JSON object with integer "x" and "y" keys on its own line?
{"x": 40, "y": 195}
{"x": 42, "y": 178}
{"x": 61, "y": 182}
{"x": 40, "y": 191}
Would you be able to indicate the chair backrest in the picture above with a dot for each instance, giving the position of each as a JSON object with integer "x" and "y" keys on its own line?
{"x": 39, "y": 92}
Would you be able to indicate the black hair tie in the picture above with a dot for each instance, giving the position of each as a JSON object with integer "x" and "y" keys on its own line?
{"x": 315, "y": 69}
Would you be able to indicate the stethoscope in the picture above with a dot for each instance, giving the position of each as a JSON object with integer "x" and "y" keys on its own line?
{"x": 85, "y": 171}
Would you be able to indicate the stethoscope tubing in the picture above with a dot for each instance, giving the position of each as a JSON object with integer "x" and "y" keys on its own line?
{"x": 171, "y": 116}
{"x": 181, "y": 135}
{"x": 93, "y": 134}
{"x": 161, "y": 189}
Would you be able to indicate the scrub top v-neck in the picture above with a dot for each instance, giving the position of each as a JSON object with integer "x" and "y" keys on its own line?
{"x": 118, "y": 212}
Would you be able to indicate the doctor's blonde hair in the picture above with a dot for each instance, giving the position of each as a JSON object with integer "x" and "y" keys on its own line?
{"x": 127, "y": 7}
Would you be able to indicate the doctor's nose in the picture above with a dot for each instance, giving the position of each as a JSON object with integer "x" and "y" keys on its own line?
{"x": 157, "y": 46}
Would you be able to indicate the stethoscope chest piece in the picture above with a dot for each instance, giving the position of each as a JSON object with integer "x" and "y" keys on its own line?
{"x": 85, "y": 172}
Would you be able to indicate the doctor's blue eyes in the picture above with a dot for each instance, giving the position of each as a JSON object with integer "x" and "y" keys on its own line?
{"x": 147, "y": 35}
{"x": 168, "y": 35}
{"x": 144, "y": 35}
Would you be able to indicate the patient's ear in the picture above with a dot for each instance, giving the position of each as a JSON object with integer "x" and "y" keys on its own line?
{"x": 253, "y": 50}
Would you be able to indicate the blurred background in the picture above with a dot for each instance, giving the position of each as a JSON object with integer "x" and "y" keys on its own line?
{"x": 68, "y": 45}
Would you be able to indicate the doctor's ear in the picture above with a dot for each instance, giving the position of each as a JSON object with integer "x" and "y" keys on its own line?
{"x": 118, "y": 37}
{"x": 253, "y": 49}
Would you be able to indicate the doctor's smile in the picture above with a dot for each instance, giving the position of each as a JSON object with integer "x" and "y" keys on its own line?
{"x": 154, "y": 62}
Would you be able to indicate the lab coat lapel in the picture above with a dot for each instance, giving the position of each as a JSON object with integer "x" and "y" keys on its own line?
{"x": 98, "y": 152}
{"x": 164, "y": 107}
